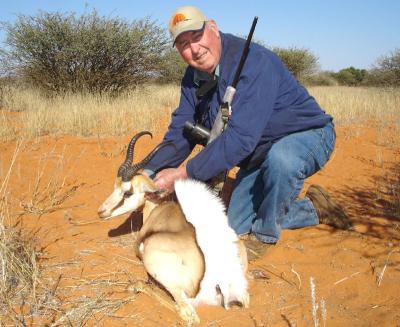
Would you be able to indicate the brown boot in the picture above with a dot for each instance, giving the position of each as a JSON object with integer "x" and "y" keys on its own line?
{"x": 329, "y": 212}
{"x": 255, "y": 248}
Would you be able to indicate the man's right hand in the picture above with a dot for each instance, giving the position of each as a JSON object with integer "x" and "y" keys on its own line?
{"x": 165, "y": 179}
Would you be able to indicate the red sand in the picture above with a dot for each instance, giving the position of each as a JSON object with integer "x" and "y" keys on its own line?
{"x": 345, "y": 266}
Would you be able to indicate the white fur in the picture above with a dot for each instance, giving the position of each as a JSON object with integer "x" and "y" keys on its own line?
{"x": 217, "y": 241}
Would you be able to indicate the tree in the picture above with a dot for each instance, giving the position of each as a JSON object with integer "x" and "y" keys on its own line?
{"x": 61, "y": 52}
{"x": 390, "y": 62}
{"x": 387, "y": 70}
{"x": 350, "y": 76}
{"x": 173, "y": 67}
{"x": 300, "y": 62}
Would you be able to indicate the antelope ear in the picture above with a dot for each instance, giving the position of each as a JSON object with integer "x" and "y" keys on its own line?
{"x": 150, "y": 188}
{"x": 144, "y": 184}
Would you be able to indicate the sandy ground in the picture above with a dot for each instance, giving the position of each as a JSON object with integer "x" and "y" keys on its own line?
{"x": 348, "y": 278}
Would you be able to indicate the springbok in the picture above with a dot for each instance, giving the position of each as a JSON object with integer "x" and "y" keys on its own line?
{"x": 187, "y": 246}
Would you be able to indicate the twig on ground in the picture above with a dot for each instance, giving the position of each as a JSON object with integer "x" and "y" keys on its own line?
{"x": 141, "y": 287}
{"x": 380, "y": 277}
{"x": 345, "y": 278}
{"x": 136, "y": 262}
{"x": 323, "y": 311}
{"x": 279, "y": 274}
{"x": 7, "y": 177}
{"x": 314, "y": 308}
{"x": 85, "y": 223}
{"x": 289, "y": 321}
{"x": 297, "y": 275}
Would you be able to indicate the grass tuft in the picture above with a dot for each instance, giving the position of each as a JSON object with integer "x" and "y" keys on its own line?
{"x": 19, "y": 270}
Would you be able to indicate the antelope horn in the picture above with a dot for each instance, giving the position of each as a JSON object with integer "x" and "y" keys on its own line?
{"x": 133, "y": 169}
{"x": 129, "y": 153}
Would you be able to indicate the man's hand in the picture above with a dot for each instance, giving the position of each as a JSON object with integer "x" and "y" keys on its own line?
{"x": 166, "y": 178}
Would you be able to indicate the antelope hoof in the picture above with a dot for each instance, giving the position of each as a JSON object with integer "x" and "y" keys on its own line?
{"x": 188, "y": 314}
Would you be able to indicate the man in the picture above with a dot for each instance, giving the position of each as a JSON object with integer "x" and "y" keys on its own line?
{"x": 277, "y": 133}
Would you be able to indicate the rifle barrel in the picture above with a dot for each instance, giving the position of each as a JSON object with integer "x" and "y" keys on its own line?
{"x": 244, "y": 53}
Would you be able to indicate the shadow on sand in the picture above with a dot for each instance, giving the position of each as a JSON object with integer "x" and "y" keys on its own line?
{"x": 131, "y": 225}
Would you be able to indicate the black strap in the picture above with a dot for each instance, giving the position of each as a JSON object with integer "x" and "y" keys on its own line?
{"x": 206, "y": 88}
{"x": 203, "y": 95}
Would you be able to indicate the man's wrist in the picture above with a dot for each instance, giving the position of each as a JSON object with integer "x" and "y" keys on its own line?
{"x": 182, "y": 172}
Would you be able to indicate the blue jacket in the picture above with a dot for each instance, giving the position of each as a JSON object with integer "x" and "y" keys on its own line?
{"x": 269, "y": 103}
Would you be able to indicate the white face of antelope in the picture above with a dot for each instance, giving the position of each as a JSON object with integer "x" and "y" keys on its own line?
{"x": 130, "y": 187}
{"x": 124, "y": 199}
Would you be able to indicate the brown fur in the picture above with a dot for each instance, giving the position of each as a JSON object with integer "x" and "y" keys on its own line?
{"x": 170, "y": 252}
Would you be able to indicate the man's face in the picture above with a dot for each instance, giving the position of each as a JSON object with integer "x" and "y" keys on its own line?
{"x": 201, "y": 49}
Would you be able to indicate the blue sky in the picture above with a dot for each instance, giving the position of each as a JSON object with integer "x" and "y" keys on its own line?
{"x": 341, "y": 33}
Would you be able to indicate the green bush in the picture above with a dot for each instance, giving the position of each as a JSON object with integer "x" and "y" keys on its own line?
{"x": 64, "y": 53}
{"x": 350, "y": 76}
{"x": 300, "y": 62}
{"x": 320, "y": 79}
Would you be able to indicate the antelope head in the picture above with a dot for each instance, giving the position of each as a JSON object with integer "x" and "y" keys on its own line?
{"x": 130, "y": 186}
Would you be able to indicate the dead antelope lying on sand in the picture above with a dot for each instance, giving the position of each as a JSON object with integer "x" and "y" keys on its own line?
{"x": 187, "y": 246}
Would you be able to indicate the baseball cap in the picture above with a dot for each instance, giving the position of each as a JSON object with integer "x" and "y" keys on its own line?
{"x": 185, "y": 19}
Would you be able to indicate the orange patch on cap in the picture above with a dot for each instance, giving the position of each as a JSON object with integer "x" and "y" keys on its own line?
{"x": 178, "y": 18}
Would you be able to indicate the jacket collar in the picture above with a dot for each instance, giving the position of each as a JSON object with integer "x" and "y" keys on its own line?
{"x": 199, "y": 77}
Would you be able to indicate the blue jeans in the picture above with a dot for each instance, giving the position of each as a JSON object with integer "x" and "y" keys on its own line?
{"x": 265, "y": 199}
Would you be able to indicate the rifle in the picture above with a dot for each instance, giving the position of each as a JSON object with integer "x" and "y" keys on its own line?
{"x": 225, "y": 110}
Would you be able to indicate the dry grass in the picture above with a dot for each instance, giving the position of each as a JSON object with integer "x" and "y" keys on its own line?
{"x": 355, "y": 105}
{"x": 145, "y": 107}
{"x": 87, "y": 115}
{"x": 19, "y": 271}
{"x": 7, "y": 130}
